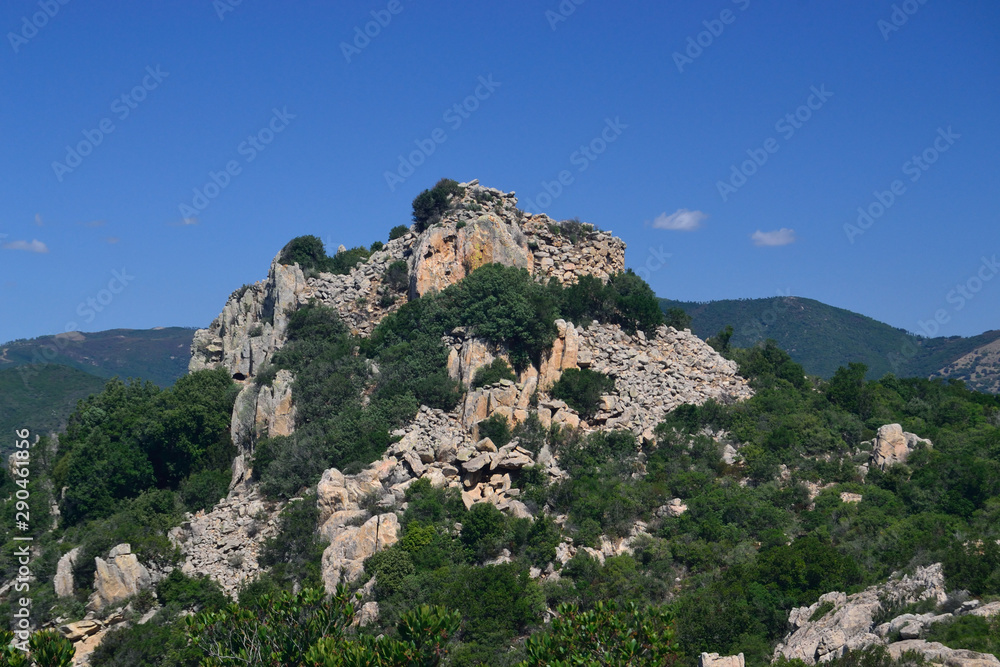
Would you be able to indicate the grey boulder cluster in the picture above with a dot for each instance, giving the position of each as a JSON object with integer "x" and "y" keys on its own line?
{"x": 838, "y": 623}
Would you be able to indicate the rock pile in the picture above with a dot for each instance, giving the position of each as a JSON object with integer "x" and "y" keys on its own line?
{"x": 225, "y": 543}
{"x": 654, "y": 376}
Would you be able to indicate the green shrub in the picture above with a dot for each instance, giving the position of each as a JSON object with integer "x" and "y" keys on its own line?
{"x": 203, "y": 490}
{"x": 582, "y": 389}
{"x": 306, "y": 251}
{"x": 294, "y": 554}
{"x": 397, "y": 276}
{"x": 496, "y": 370}
{"x": 197, "y": 593}
{"x": 484, "y": 530}
{"x": 389, "y": 567}
{"x": 496, "y": 428}
{"x": 376, "y": 246}
{"x": 398, "y": 231}
{"x": 430, "y": 205}
{"x": 605, "y": 635}
{"x": 677, "y": 318}
{"x": 345, "y": 260}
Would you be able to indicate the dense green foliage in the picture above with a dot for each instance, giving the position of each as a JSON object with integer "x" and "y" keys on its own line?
{"x": 625, "y": 300}
{"x": 310, "y": 254}
{"x": 133, "y": 437}
{"x": 48, "y": 648}
{"x": 493, "y": 372}
{"x": 823, "y": 338}
{"x": 604, "y": 635}
{"x": 582, "y": 389}
{"x": 311, "y": 628}
{"x": 398, "y": 231}
{"x": 433, "y": 564}
{"x": 430, "y": 205}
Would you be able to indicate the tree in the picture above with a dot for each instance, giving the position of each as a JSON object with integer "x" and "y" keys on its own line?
{"x": 605, "y": 635}
{"x": 430, "y": 205}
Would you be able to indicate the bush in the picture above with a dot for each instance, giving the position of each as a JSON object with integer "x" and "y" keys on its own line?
{"x": 294, "y": 554}
{"x": 677, "y": 318}
{"x": 345, "y": 260}
{"x": 397, "y": 276}
{"x": 306, "y": 251}
{"x": 496, "y": 428}
{"x": 605, "y": 635}
{"x": 582, "y": 389}
{"x": 197, "y": 593}
{"x": 483, "y": 531}
{"x": 430, "y": 205}
{"x": 496, "y": 370}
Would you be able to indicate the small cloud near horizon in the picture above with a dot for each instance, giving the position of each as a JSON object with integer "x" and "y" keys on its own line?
{"x": 185, "y": 222}
{"x": 112, "y": 240}
{"x": 34, "y": 246}
{"x": 681, "y": 220}
{"x": 94, "y": 223}
{"x": 778, "y": 237}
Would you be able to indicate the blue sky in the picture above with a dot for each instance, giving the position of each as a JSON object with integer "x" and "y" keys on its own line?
{"x": 649, "y": 107}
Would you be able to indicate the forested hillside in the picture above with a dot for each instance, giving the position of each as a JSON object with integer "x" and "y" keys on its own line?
{"x": 158, "y": 355}
{"x": 822, "y": 338}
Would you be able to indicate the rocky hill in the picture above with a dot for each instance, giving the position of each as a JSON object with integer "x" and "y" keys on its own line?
{"x": 652, "y": 376}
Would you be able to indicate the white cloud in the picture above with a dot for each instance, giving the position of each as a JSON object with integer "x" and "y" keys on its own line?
{"x": 185, "y": 222}
{"x": 112, "y": 240}
{"x": 38, "y": 220}
{"x": 782, "y": 236}
{"x": 682, "y": 220}
{"x": 34, "y": 246}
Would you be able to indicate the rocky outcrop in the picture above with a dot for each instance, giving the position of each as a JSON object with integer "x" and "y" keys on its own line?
{"x": 444, "y": 255}
{"x": 715, "y": 660}
{"x": 892, "y": 445}
{"x": 119, "y": 577}
{"x": 225, "y": 543}
{"x": 849, "y": 624}
{"x": 940, "y": 654}
{"x": 63, "y": 580}
{"x": 344, "y": 558}
{"x": 252, "y": 324}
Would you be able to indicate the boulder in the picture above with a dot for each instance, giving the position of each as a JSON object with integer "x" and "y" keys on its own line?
{"x": 63, "y": 580}
{"x": 715, "y": 660}
{"x": 119, "y": 577}
{"x": 445, "y": 254}
{"x": 940, "y": 654}
{"x": 849, "y": 623}
{"x": 343, "y": 559}
{"x": 892, "y": 445}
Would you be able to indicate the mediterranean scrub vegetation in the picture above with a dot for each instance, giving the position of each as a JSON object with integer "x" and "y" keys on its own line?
{"x": 352, "y": 393}
{"x": 760, "y": 536}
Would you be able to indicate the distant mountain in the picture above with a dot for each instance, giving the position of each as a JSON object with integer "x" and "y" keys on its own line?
{"x": 160, "y": 355}
{"x": 822, "y": 338}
